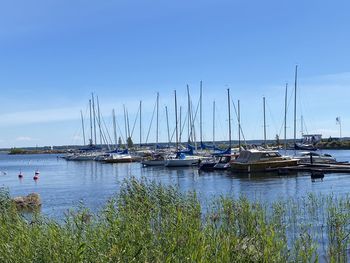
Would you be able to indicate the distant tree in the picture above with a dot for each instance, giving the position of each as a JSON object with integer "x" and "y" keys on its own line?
{"x": 277, "y": 139}
{"x": 130, "y": 142}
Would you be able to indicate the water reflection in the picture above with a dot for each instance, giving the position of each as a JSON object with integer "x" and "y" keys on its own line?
{"x": 64, "y": 184}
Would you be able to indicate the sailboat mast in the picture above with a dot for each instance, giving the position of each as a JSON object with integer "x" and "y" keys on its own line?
{"x": 239, "y": 125}
{"x": 126, "y": 129}
{"x": 127, "y": 119}
{"x": 94, "y": 116}
{"x": 140, "y": 122}
{"x": 99, "y": 120}
{"x": 201, "y": 120}
{"x": 90, "y": 123}
{"x": 285, "y": 117}
{"x": 214, "y": 123}
{"x": 82, "y": 125}
{"x": 115, "y": 130}
{"x": 295, "y": 104}
{"x": 180, "y": 121}
{"x": 264, "y": 122}
{"x": 157, "y": 119}
{"x": 189, "y": 115}
{"x": 167, "y": 123}
{"x": 177, "y": 142}
{"x": 229, "y": 117}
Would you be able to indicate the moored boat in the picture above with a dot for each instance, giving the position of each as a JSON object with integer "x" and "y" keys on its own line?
{"x": 260, "y": 161}
{"x": 313, "y": 157}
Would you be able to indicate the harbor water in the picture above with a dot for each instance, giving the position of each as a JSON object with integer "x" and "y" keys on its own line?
{"x": 67, "y": 185}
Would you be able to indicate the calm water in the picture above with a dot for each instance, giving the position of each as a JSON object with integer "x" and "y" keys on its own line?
{"x": 63, "y": 185}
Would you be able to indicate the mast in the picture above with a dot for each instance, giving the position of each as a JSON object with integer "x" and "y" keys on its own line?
{"x": 285, "y": 118}
{"x": 229, "y": 118}
{"x": 94, "y": 116}
{"x": 99, "y": 120}
{"x": 82, "y": 125}
{"x": 167, "y": 123}
{"x": 189, "y": 121}
{"x": 264, "y": 122}
{"x": 140, "y": 122}
{"x": 157, "y": 119}
{"x": 127, "y": 119}
{"x": 180, "y": 121}
{"x": 214, "y": 123}
{"x": 295, "y": 105}
{"x": 201, "y": 120}
{"x": 91, "y": 142}
{"x": 115, "y": 129}
{"x": 177, "y": 142}
{"x": 126, "y": 128}
{"x": 239, "y": 126}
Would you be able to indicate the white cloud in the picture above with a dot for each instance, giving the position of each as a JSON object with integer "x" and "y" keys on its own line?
{"x": 39, "y": 116}
{"x": 25, "y": 139}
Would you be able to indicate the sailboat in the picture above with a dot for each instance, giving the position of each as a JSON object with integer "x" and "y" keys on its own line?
{"x": 156, "y": 158}
{"x": 221, "y": 159}
{"x": 182, "y": 158}
{"x": 302, "y": 145}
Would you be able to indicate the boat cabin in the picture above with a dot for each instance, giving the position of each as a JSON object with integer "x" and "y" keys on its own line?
{"x": 249, "y": 156}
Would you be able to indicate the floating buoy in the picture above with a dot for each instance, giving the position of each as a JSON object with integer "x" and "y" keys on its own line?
{"x": 20, "y": 175}
{"x": 36, "y": 175}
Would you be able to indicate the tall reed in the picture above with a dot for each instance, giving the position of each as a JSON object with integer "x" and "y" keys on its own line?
{"x": 150, "y": 222}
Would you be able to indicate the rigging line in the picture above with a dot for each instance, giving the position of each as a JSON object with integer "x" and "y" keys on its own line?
{"x": 137, "y": 117}
{"x": 105, "y": 139}
{"x": 120, "y": 132}
{"x": 271, "y": 116}
{"x": 150, "y": 125}
{"x": 184, "y": 124}
{"x": 288, "y": 106}
{"x": 104, "y": 123}
{"x": 236, "y": 112}
{"x": 219, "y": 120}
{"x": 194, "y": 118}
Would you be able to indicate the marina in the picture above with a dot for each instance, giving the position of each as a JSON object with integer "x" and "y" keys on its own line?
{"x": 64, "y": 185}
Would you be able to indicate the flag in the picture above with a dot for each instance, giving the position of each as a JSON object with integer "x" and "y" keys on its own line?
{"x": 337, "y": 120}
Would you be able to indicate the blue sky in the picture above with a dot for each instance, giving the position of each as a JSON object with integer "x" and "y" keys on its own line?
{"x": 53, "y": 54}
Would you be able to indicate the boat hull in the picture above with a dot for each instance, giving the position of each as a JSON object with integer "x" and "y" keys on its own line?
{"x": 153, "y": 163}
{"x": 181, "y": 162}
{"x": 261, "y": 166}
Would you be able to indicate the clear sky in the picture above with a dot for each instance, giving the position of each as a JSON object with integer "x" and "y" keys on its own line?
{"x": 53, "y": 54}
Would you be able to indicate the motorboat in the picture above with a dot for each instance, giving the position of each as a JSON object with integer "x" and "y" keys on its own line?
{"x": 154, "y": 160}
{"x": 305, "y": 147}
{"x": 224, "y": 162}
{"x": 260, "y": 161}
{"x": 181, "y": 160}
{"x": 313, "y": 157}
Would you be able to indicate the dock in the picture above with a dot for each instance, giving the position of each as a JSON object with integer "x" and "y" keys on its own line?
{"x": 321, "y": 168}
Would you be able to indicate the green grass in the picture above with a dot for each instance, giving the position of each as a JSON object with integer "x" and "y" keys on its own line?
{"x": 149, "y": 222}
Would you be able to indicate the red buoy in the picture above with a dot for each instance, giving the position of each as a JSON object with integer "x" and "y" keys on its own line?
{"x": 36, "y": 175}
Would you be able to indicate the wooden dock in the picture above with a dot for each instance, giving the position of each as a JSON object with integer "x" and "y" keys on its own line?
{"x": 321, "y": 168}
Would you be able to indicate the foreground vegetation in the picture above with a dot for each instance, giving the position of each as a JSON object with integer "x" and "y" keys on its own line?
{"x": 148, "y": 222}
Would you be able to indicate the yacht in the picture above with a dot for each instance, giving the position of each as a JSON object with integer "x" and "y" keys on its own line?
{"x": 260, "y": 161}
